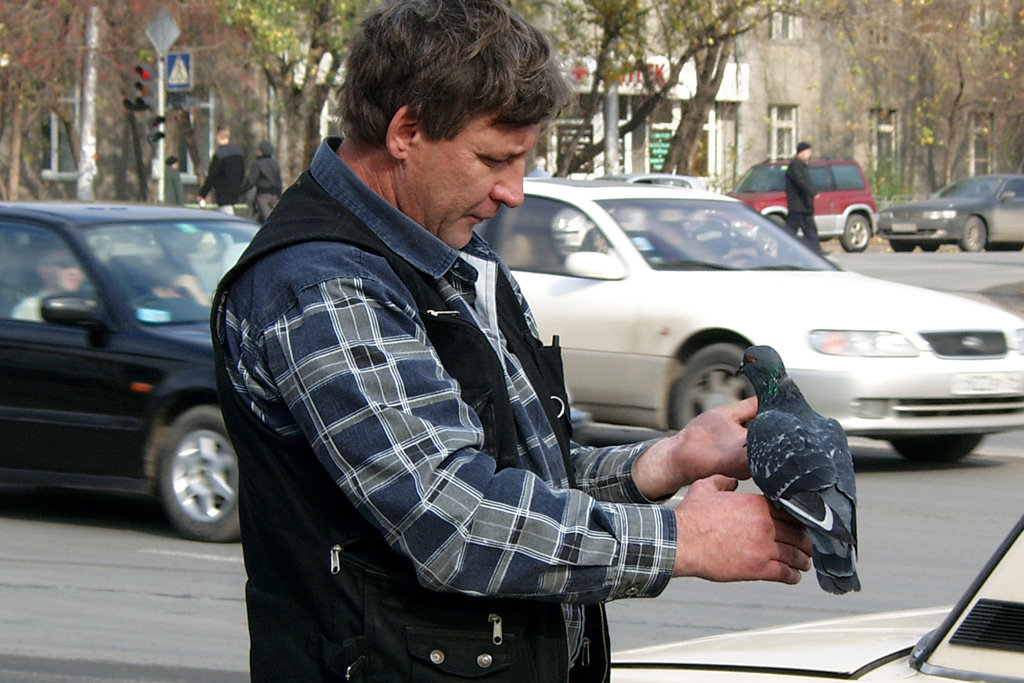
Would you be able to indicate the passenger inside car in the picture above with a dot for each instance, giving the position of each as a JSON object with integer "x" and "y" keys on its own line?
{"x": 58, "y": 272}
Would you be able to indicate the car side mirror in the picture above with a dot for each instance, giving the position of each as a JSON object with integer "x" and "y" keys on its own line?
{"x": 71, "y": 310}
{"x": 594, "y": 265}
{"x": 1009, "y": 194}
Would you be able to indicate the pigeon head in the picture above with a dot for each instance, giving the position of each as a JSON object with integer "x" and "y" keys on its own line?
{"x": 763, "y": 366}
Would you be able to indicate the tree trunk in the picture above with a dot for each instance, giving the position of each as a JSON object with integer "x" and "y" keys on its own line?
{"x": 14, "y": 172}
{"x": 87, "y": 153}
{"x": 685, "y": 141}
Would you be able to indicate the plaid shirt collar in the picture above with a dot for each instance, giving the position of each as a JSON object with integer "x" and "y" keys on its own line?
{"x": 403, "y": 235}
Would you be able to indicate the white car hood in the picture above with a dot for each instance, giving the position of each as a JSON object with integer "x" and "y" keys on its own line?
{"x": 853, "y": 301}
{"x": 836, "y": 646}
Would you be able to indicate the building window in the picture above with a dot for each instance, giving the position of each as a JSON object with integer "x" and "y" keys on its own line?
{"x": 59, "y": 161}
{"x": 980, "y": 149}
{"x": 782, "y": 131}
{"x": 785, "y": 26}
{"x": 981, "y": 16}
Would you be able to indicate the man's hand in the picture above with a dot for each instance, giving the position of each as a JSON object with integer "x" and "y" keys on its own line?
{"x": 714, "y": 442}
{"x": 724, "y": 535}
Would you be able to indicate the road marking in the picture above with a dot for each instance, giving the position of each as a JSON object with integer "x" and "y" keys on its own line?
{"x": 191, "y": 556}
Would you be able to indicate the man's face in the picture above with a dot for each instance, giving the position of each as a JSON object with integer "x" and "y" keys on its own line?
{"x": 806, "y": 154}
{"x": 448, "y": 186}
{"x": 60, "y": 273}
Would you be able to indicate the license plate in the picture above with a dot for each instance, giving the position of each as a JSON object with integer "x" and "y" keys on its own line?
{"x": 904, "y": 227}
{"x": 973, "y": 383}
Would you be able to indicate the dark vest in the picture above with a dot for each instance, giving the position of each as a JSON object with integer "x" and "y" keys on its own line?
{"x": 326, "y": 598}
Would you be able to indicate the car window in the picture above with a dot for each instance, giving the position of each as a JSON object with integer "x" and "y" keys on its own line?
{"x": 763, "y": 178}
{"x": 35, "y": 264}
{"x": 821, "y": 178}
{"x": 538, "y": 235}
{"x": 1016, "y": 186}
{"x": 686, "y": 234}
{"x": 166, "y": 271}
{"x": 848, "y": 177}
{"x": 970, "y": 188}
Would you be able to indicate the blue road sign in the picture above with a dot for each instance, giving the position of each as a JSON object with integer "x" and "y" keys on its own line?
{"x": 179, "y": 71}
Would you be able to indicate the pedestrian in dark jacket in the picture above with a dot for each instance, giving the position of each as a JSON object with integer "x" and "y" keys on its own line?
{"x": 800, "y": 197}
{"x": 174, "y": 193}
{"x": 227, "y": 168}
{"x": 265, "y": 176}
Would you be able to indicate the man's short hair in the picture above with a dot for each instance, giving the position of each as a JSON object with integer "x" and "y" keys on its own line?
{"x": 448, "y": 61}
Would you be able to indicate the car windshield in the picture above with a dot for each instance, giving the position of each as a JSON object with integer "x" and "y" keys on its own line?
{"x": 676, "y": 234}
{"x": 167, "y": 271}
{"x": 970, "y": 188}
{"x": 763, "y": 178}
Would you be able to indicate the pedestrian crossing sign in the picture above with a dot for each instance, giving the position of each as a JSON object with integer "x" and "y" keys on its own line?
{"x": 179, "y": 71}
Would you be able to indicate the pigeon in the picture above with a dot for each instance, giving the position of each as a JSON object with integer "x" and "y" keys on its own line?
{"x": 801, "y": 461}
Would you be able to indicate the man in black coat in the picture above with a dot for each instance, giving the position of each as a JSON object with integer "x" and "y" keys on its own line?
{"x": 800, "y": 197}
{"x": 227, "y": 168}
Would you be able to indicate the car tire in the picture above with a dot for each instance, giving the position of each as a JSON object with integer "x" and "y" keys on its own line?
{"x": 198, "y": 476}
{"x": 938, "y": 448}
{"x": 974, "y": 234}
{"x": 900, "y": 246}
{"x": 778, "y": 219}
{"x": 930, "y": 247}
{"x": 708, "y": 380}
{"x": 857, "y": 233}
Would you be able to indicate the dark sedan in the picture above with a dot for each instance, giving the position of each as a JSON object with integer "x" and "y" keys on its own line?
{"x": 981, "y": 212}
{"x": 106, "y": 365}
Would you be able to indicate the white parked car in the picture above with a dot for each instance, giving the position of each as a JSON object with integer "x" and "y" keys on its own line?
{"x": 980, "y": 639}
{"x": 687, "y": 181}
{"x": 655, "y": 292}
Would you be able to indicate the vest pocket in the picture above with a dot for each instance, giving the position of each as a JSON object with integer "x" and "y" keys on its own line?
{"x": 439, "y": 654}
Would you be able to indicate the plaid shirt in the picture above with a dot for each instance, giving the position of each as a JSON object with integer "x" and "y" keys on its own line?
{"x": 324, "y": 340}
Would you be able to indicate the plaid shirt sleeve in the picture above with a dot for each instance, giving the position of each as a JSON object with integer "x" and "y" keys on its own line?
{"x": 348, "y": 363}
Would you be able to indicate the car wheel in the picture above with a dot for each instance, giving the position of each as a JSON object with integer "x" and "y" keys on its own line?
{"x": 940, "y": 448}
{"x": 777, "y": 219}
{"x": 198, "y": 476}
{"x": 901, "y": 246}
{"x": 708, "y": 380}
{"x": 856, "y": 234}
{"x": 930, "y": 246}
{"x": 974, "y": 235}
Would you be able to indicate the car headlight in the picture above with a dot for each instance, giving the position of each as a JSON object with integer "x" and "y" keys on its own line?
{"x": 885, "y": 213}
{"x": 945, "y": 215}
{"x": 862, "y": 343}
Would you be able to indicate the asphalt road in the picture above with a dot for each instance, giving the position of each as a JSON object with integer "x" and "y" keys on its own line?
{"x": 99, "y": 588}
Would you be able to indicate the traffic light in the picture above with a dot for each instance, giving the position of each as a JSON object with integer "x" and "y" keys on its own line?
{"x": 157, "y": 124}
{"x": 142, "y": 100}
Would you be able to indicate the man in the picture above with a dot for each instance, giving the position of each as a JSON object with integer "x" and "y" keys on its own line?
{"x": 540, "y": 168}
{"x": 800, "y": 198}
{"x": 411, "y": 505}
{"x": 174, "y": 193}
{"x": 227, "y": 167}
{"x": 59, "y": 273}
{"x": 265, "y": 176}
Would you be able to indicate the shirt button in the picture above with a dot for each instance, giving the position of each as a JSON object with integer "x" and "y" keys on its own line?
{"x": 484, "y": 660}
{"x": 437, "y": 656}
{"x": 632, "y": 591}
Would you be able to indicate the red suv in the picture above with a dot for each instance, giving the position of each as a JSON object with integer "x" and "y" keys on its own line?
{"x": 843, "y": 207}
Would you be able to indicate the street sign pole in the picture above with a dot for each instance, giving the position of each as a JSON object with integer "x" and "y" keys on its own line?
{"x": 161, "y": 111}
{"x": 162, "y": 32}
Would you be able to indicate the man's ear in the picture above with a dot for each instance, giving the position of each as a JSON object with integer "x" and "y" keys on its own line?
{"x": 403, "y": 133}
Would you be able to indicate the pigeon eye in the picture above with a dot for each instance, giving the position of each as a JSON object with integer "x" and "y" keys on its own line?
{"x": 750, "y": 359}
